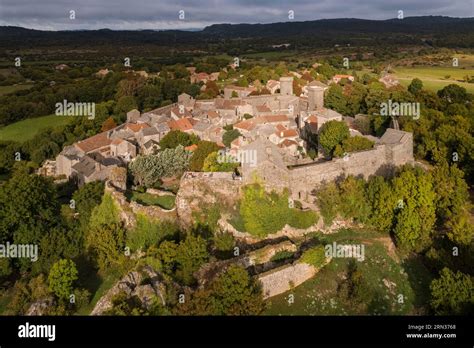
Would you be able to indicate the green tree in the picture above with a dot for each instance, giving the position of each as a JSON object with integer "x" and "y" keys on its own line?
{"x": 148, "y": 170}
{"x": 204, "y": 149}
{"x": 61, "y": 278}
{"x": 213, "y": 164}
{"x": 353, "y": 199}
{"x": 453, "y": 93}
{"x": 86, "y": 198}
{"x": 232, "y": 292}
{"x": 331, "y": 134}
{"x": 176, "y": 137}
{"x": 230, "y": 136}
{"x": 415, "y": 86}
{"x": 452, "y": 293}
{"x": 382, "y": 202}
{"x": 183, "y": 259}
{"x": 106, "y": 235}
{"x": 328, "y": 199}
{"x": 415, "y": 216}
{"x": 124, "y": 105}
{"x": 192, "y": 253}
{"x": 29, "y": 207}
{"x": 336, "y": 100}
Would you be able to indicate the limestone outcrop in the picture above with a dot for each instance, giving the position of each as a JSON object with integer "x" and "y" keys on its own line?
{"x": 146, "y": 284}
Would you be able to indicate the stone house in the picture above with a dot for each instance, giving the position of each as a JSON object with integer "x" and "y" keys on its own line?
{"x": 124, "y": 149}
{"x": 273, "y": 86}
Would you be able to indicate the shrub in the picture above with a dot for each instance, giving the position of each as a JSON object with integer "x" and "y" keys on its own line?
{"x": 265, "y": 213}
{"x": 223, "y": 241}
{"x": 282, "y": 255}
{"x": 148, "y": 232}
{"x": 314, "y": 256}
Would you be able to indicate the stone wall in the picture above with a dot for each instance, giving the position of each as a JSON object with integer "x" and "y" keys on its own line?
{"x": 381, "y": 160}
{"x": 129, "y": 210}
{"x": 282, "y": 279}
{"x": 365, "y": 163}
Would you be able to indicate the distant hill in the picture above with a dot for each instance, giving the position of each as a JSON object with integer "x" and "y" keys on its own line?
{"x": 436, "y": 30}
{"x": 428, "y": 24}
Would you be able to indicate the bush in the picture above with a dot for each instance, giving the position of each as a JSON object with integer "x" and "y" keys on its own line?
{"x": 315, "y": 256}
{"x": 282, "y": 255}
{"x": 148, "y": 232}
{"x": 357, "y": 143}
{"x": 223, "y": 241}
{"x": 302, "y": 219}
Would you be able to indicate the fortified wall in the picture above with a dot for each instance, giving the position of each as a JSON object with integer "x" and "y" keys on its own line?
{"x": 394, "y": 149}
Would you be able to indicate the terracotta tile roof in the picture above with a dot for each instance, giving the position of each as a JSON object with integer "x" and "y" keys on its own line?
{"x": 246, "y": 125}
{"x": 229, "y": 104}
{"x": 93, "y": 143}
{"x": 263, "y": 108}
{"x": 280, "y": 127}
{"x": 136, "y": 127}
{"x": 212, "y": 114}
{"x": 272, "y": 83}
{"x": 275, "y": 118}
{"x": 312, "y": 119}
{"x": 287, "y": 133}
{"x": 287, "y": 143}
{"x": 185, "y": 112}
{"x": 183, "y": 124}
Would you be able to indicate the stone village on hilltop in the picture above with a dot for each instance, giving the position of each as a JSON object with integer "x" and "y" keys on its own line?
{"x": 276, "y": 131}
{"x": 277, "y": 135}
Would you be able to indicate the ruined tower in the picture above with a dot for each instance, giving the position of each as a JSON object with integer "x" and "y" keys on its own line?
{"x": 315, "y": 98}
{"x": 286, "y": 85}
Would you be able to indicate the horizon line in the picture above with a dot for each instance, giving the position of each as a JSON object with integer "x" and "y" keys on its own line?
{"x": 197, "y": 29}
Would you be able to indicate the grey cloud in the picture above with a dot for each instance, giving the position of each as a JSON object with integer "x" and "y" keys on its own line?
{"x": 159, "y": 14}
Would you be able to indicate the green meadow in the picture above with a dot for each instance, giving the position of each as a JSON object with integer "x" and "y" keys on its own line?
{"x": 435, "y": 78}
{"x": 10, "y": 89}
{"x": 26, "y": 129}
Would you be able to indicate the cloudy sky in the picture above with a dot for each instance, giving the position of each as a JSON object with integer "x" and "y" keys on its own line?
{"x": 159, "y": 14}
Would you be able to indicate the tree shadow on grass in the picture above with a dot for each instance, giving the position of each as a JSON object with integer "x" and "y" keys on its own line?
{"x": 420, "y": 278}
{"x": 88, "y": 275}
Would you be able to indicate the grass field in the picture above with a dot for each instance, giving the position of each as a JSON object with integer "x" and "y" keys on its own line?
{"x": 271, "y": 55}
{"x": 166, "y": 202}
{"x": 26, "y": 129}
{"x": 9, "y": 89}
{"x": 385, "y": 278}
{"x": 435, "y": 78}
